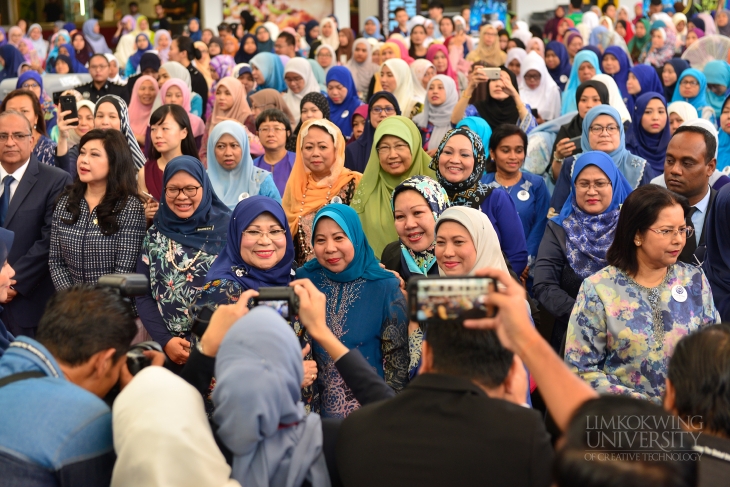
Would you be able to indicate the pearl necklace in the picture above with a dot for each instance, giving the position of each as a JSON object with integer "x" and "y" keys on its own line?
{"x": 171, "y": 257}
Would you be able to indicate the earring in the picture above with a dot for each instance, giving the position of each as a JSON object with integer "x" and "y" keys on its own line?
{"x": 637, "y": 243}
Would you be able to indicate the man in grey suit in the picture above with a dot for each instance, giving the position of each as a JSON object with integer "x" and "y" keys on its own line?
{"x": 27, "y": 198}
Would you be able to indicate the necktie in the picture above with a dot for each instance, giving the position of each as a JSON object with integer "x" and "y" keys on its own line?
{"x": 5, "y": 200}
{"x": 691, "y": 245}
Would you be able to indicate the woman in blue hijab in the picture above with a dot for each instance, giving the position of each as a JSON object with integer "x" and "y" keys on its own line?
{"x": 76, "y": 66}
{"x": 723, "y": 139}
{"x": 615, "y": 57}
{"x": 367, "y": 309}
{"x": 560, "y": 72}
{"x": 718, "y": 82}
{"x": 576, "y": 78}
{"x": 692, "y": 88}
{"x": 267, "y": 45}
{"x": 143, "y": 45}
{"x": 671, "y": 71}
{"x": 32, "y": 81}
{"x": 479, "y": 126}
{"x": 376, "y": 35}
{"x": 11, "y": 60}
{"x": 267, "y": 71}
{"x": 358, "y": 152}
{"x": 192, "y": 239}
{"x": 342, "y": 99}
{"x": 241, "y": 55}
{"x": 651, "y": 143}
{"x": 194, "y": 29}
{"x": 643, "y": 78}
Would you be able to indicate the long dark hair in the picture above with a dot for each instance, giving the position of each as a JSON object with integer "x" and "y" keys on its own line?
{"x": 185, "y": 44}
{"x": 178, "y": 113}
{"x": 412, "y": 49}
{"x": 121, "y": 184}
{"x": 40, "y": 125}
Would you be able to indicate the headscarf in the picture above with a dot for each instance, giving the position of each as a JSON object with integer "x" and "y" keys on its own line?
{"x": 53, "y": 49}
{"x": 262, "y": 420}
{"x": 630, "y": 166}
{"x": 717, "y": 258}
{"x": 76, "y": 65}
{"x": 588, "y": 237}
{"x": 293, "y": 101}
{"x": 242, "y": 56}
{"x": 239, "y": 110}
{"x": 437, "y": 199}
{"x": 11, "y": 30}
{"x": 164, "y": 54}
{"x": 363, "y": 72}
{"x": 522, "y": 32}
{"x": 96, "y": 41}
{"x": 588, "y": 23}
{"x": 364, "y": 265}
{"x": 431, "y": 53}
{"x": 341, "y": 115}
{"x": 679, "y": 66}
{"x": 493, "y": 56}
{"x": 300, "y": 182}
{"x": 372, "y": 197}
{"x": 652, "y": 147}
{"x": 148, "y": 32}
{"x": 479, "y": 126}
{"x": 638, "y": 44}
{"x": 568, "y": 104}
{"x": 560, "y": 74}
{"x": 624, "y": 63}
{"x": 717, "y": 73}
{"x": 519, "y": 54}
{"x": 676, "y": 19}
{"x": 546, "y": 97}
{"x": 439, "y": 116}
{"x": 358, "y": 153}
{"x": 178, "y": 71}
{"x": 334, "y": 39}
{"x": 125, "y": 48}
{"x": 725, "y": 30}
{"x": 149, "y": 439}
{"x": 710, "y": 28}
{"x": 196, "y": 122}
{"x": 684, "y": 110}
{"x": 139, "y": 113}
{"x": 333, "y": 53}
{"x": 65, "y": 59}
{"x": 614, "y": 96}
{"x": 198, "y": 34}
{"x": 317, "y": 99}
{"x": 536, "y": 44}
{"x": 248, "y": 276}
{"x": 307, "y": 29}
{"x": 271, "y": 98}
{"x": 271, "y": 69}
{"x": 38, "y": 79}
{"x": 138, "y": 158}
{"x": 723, "y": 144}
{"x": 418, "y": 70}
{"x": 40, "y": 46}
{"x": 648, "y": 80}
{"x": 551, "y": 27}
{"x": 267, "y": 46}
{"x": 230, "y": 45}
{"x": 483, "y": 236}
{"x": 206, "y": 228}
{"x": 404, "y": 84}
{"x": 570, "y": 24}
{"x": 377, "y": 34}
{"x": 223, "y": 65}
{"x": 404, "y": 54}
{"x": 574, "y": 128}
{"x": 346, "y": 50}
{"x": 125, "y": 20}
{"x": 497, "y": 112}
{"x": 699, "y": 101}
{"x": 135, "y": 58}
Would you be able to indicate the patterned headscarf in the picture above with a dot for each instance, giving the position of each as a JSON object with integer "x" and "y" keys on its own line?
{"x": 126, "y": 129}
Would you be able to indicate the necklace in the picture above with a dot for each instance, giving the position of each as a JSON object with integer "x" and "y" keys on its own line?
{"x": 171, "y": 257}
{"x": 654, "y": 295}
{"x": 504, "y": 186}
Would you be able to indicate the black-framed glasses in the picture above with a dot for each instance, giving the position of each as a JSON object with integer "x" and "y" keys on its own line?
{"x": 17, "y": 137}
{"x": 189, "y": 191}
{"x": 598, "y": 129}
{"x": 388, "y": 110}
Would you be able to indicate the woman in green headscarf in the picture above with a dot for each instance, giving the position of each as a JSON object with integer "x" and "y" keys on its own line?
{"x": 397, "y": 155}
{"x": 640, "y": 40}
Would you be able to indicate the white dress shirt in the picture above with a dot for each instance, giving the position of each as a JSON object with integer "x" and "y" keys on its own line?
{"x": 18, "y": 175}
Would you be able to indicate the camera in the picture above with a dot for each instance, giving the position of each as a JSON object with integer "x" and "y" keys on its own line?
{"x": 136, "y": 359}
{"x": 127, "y": 285}
{"x": 449, "y": 298}
{"x": 282, "y": 299}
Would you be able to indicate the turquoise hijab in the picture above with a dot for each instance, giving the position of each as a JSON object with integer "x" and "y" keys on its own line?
{"x": 272, "y": 70}
{"x": 699, "y": 101}
{"x": 569, "y": 104}
{"x": 364, "y": 264}
{"x": 479, "y": 126}
{"x": 717, "y": 73}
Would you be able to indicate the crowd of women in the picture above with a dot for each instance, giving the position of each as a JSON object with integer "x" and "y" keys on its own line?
{"x": 360, "y": 162}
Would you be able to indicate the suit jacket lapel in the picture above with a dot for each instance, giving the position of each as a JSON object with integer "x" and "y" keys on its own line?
{"x": 25, "y": 184}
{"x": 713, "y": 195}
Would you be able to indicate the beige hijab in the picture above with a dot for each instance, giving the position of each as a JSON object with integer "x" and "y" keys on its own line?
{"x": 493, "y": 56}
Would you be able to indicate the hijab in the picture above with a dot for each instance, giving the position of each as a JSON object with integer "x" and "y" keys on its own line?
{"x": 679, "y": 65}
{"x": 624, "y": 63}
{"x": 404, "y": 84}
{"x": 230, "y": 185}
{"x": 84, "y": 54}
{"x": 546, "y": 96}
{"x": 717, "y": 258}
{"x": 491, "y": 55}
{"x": 150, "y": 35}
{"x": 588, "y": 237}
{"x": 483, "y": 235}
{"x": 358, "y": 153}
{"x": 418, "y": 70}
{"x": 164, "y": 54}
{"x": 231, "y": 266}
{"x": 206, "y": 228}
{"x": 301, "y": 183}
{"x": 149, "y": 440}
{"x": 242, "y": 56}
{"x": 139, "y": 113}
{"x": 638, "y": 44}
{"x": 307, "y": 31}
{"x": 630, "y": 166}
{"x": 377, "y": 34}
{"x": 40, "y": 46}
{"x": 95, "y": 40}
{"x": 135, "y": 58}
{"x": 196, "y": 122}
{"x": 293, "y": 100}
{"x": 372, "y": 197}
{"x": 479, "y": 126}
{"x": 684, "y": 110}
{"x": 198, "y": 34}
{"x": 648, "y": 80}
{"x": 725, "y": 31}
{"x": 76, "y": 66}
{"x": 262, "y": 419}
{"x": 450, "y": 72}
{"x": 270, "y": 98}
{"x": 239, "y": 109}
{"x": 561, "y": 73}
{"x": 178, "y": 71}
{"x": 271, "y": 69}
{"x": 437, "y": 199}
{"x": 362, "y": 72}
{"x": 519, "y": 54}
{"x": 317, "y": 99}
{"x": 334, "y": 39}
{"x": 574, "y": 128}
{"x": 718, "y": 73}
{"x": 439, "y": 116}
{"x": 699, "y": 101}
{"x": 652, "y": 147}
{"x": 125, "y": 20}
{"x": 497, "y": 112}
{"x": 581, "y": 57}
{"x": 614, "y": 96}
{"x": 65, "y": 59}
{"x": 13, "y": 29}
{"x": 138, "y": 158}
{"x": 364, "y": 265}
{"x": 341, "y": 114}
{"x": 267, "y": 46}
{"x": 333, "y": 53}
{"x": 346, "y": 50}
{"x": 709, "y": 23}
{"x": 404, "y": 55}
{"x": 230, "y": 45}
{"x": 723, "y": 145}
{"x": 125, "y": 48}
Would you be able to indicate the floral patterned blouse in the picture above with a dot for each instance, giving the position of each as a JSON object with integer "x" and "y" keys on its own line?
{"x": 621, "y": 334}
{"x": 45, "y": 150}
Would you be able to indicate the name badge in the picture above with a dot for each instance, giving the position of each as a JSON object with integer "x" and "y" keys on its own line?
{"x": 205, "y": 229}
{"x": 523, "y": 195}
{"x": 679, "y": 293}
{"x": 345, "y": 114}
{"x": 243, "y": 196}
{"x": 336, "y": 199}
{"x": 563, "y": 78}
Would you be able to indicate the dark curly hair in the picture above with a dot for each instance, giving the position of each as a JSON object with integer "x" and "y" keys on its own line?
{"x": 121, "y": 184}
{"x": 40, "y": 125}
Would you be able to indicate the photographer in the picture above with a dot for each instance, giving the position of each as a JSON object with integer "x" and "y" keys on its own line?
{"x": 56, "y": 429}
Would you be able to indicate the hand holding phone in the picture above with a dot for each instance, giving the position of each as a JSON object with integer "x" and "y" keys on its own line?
{"x": 449, "y": 298}
{"x": 68, "y": 104}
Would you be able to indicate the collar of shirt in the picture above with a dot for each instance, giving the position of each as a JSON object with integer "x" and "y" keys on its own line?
{"x": 18, "y": 174}
{"x": 702, "y": 204}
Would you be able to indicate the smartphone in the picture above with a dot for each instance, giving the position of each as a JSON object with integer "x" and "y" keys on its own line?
{"x": 282, "y": 299}
{"x": 491, "y": 73}
{"x": 576, "y": 141}
{"x": 150, "y": 196}
{"x": 68, "y": 102}
{"x": 449, "y": 298}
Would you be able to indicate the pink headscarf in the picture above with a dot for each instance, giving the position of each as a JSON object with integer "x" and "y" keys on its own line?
{"x": 403, "y": 50}
{"x": 431, "y": 53}
{"x": 196, "y": 122}
{"x": 139, "y": 114}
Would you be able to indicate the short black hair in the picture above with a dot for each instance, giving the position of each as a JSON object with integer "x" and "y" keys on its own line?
{"x": 472, "y": 354}
{"x": 133, "y": 3}
{"x": 710, "y": 140}
{"x": 99, "y": 55}
{"x": 536, "y": 31}
{"x": 399, "y": 9}
{"x": 503, "y": 131}
{"x": 83, "y": 320}
{"x": 273, "y": 115}
{"x": 576, "y": 4}
{"x": 290, "y": 40}
{"x": 502, "y": 32}
{"x": 619, "y": 418}
{"x": 518, "y": 42}
{"x": 606, "y": 5}
{"x": 700, "y": 373}
{"x": 178, "y": 113}
{"x": 223, "y": 27}
{"x": 435, "y": 4}
{"x": 638, "y": 213}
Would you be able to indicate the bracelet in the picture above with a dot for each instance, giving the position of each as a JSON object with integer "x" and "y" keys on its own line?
{"x": 558, "y": 159}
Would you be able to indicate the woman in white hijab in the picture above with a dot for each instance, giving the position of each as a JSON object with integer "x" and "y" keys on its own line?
{"x": 538, "y": 88}
{"x": 326, "y": 62}
{"x": 117, "y": 78}
{"x": 39, "y": 45}
{"x": 162, "y": 436}
{"x": 332, "y": 40}
{"x": 273, "y": 30}
{"x": 125, "y": 48}
{"x": 516, "y": 54}
{"x": 614, "y": 96}
{"x": 420, "y": 70}
{"x": 587, "y": 24}
{"x": 522, "y": 32}
{"x": 438, "y": 115}
{"x": 362, "y": 70}
{"x": 679, "y": 113}
{"x": 404, "y": 92}
{"x": 299, "y": 67}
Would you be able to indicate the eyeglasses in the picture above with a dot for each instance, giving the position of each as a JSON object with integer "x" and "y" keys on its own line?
{"x": 16, "y": 137}
{"x": 689, "y": 82}
{"x": 380, "y": 110}
{"x": 719, "y": 90}
{"x": 97, "y": 67}
{"x": 595, "y": 184}
{"x": 384, "y": 150}
{"x": 271, "y": 234}
{"x": 324, "y": 54}
{"x": 189, "y": 191}
{"x": 535, "y": 77}
{"x": 684, "y": 231}
{"x": 30, "y": 86}
{"x": 598, "y": 129}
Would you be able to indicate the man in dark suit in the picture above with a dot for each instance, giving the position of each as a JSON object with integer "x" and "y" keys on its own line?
{"x": 689, "y": 163}
{"x": 460, "y": 422}
{"x": 29, "y": 190}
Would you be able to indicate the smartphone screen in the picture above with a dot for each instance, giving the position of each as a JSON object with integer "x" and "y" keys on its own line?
{"x": 452, "y": 298}
{"x": 281, "y": 306}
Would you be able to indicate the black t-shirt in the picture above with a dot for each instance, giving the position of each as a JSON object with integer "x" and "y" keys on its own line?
{"x": 199, "y": 85}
